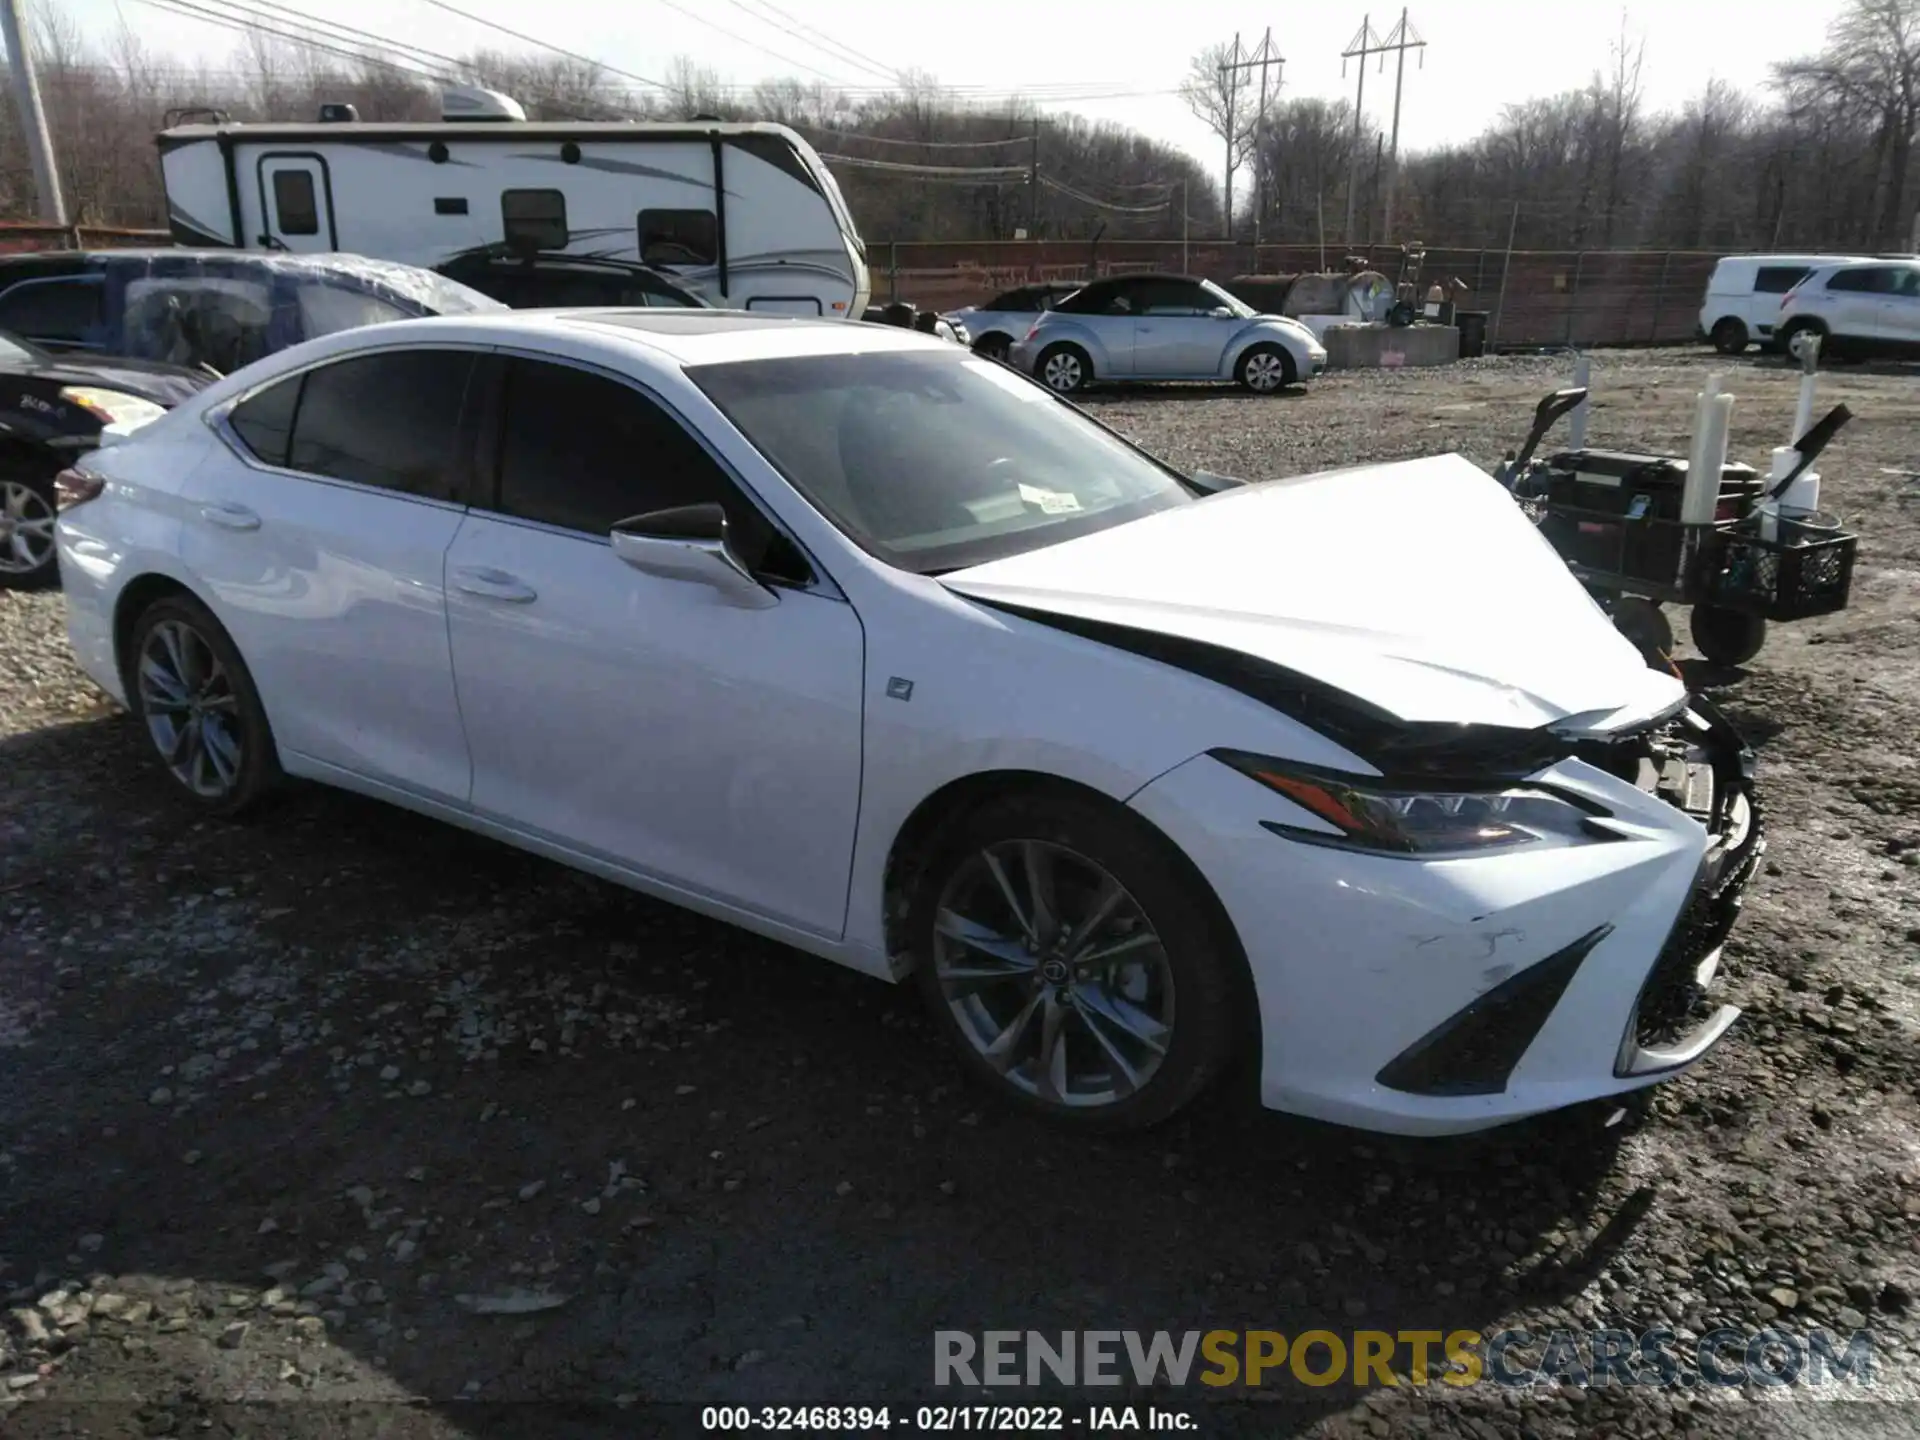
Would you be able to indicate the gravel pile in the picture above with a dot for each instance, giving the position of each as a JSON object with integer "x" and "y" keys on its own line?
{"x": 341, "y": 1105}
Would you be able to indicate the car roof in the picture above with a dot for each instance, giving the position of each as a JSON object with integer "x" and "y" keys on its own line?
{"x": 1894, "y": 262}
{"x": 681, "y": 337}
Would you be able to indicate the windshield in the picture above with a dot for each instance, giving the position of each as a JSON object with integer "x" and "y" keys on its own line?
{"x": 15, "y": 351}
{"x": 933, "y": 462}
{"x": 1220, "y": 297}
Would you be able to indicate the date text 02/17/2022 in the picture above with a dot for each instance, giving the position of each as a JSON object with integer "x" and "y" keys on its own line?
{"x": 941, "y": 1419}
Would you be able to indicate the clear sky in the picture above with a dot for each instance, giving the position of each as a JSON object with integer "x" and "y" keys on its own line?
{"x": 1101, "y": 59}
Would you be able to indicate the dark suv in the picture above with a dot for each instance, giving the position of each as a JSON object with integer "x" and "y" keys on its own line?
{"x": 551, "y": 279}
{"x": 211, "y": 309}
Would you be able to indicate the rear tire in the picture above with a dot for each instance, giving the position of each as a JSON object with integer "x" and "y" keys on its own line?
{"x": 1729, "y": 336}
{"x": 993, "y": 347}
{"x": 187, "y": 684}
{"x": 1064, "y": 369}
{"x": 1727, "y": 637}
{"x": 1265, "y": 370}
{"x": 1803, "y": 326}
{"x": 1110, "y": 1004}
{"x": 29, "y": 559}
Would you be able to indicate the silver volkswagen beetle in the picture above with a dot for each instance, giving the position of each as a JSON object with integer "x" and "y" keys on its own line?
{"x": 1165, "y": 327}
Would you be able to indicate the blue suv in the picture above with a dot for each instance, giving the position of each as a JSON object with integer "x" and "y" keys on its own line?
{"x": 211, "y": 309}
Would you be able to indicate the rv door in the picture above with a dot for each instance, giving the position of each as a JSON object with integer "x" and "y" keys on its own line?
{"x": 296, "y": 204}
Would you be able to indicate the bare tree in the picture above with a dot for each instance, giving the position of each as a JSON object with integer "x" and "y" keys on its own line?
{"x": 1221, "y": 96}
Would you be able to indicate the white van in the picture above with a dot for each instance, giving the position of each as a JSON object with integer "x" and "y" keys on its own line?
{"x": 746, "y": 215}
{"x": 1743, "y": 296}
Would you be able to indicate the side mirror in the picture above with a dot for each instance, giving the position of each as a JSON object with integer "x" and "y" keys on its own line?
{"x": 689, "y": 542}
{"x": 1221, "y": 312}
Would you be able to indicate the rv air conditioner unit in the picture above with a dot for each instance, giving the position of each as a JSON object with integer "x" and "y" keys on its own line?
{"x": 470, "y": 102}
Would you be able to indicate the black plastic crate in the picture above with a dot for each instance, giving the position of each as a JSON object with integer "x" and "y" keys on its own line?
{"x": 1803, "y": 571}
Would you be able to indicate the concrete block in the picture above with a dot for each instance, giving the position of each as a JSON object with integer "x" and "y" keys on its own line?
{"x": 1384, "y": 347}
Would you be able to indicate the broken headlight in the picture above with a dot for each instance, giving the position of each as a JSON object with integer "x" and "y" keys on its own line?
{"x": 1441, "y": 819}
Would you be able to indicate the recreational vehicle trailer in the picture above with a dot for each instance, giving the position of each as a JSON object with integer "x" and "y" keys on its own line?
{"x": 746, "y": 215}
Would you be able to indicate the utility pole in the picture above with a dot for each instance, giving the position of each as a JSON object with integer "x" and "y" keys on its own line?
{"x": 1230, "y": 100}
{"x": 1402, "y": 38}
{"x": 1263, "y": 58}
{"x": 33, "y": 119}
{"x": 1364, "y": 43}
{"x": 1033, "y": 183}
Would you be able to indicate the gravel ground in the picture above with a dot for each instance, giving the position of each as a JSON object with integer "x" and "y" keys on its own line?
{"x": 282, "y": 1103}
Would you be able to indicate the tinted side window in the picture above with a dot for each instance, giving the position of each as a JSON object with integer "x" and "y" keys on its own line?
{"x": 294, "y": 202}
{"x": 1777, "y": 279}
{"x": 534, "y": 219}
{"x": 1093, "y": 300}
{"x": 52, "y": 309}
{"x": 264, "y": 421}
{"x": 1173, "y": 297}
{"x": 679, "y": 237}
{"x": 1856, "y": 280}
{"x": 390, "y": 420}
{"x": 583, "y": 451}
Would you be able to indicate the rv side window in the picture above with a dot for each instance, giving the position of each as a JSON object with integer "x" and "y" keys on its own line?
{"x": 294, "y": 202}
{"x": 534, "y": 219}
{"x": 1777, "y": 279}
{"x": 679, "y": 237}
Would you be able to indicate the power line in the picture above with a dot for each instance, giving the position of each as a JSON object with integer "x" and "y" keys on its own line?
{"x": 917, "y": 144}
{"x": 951, "y": 172}
{"x": 738, "y": 39}
{"x": 828, "y": 47}
{"x": 867, "y": 61}
{"x": 545, "y": 45}
{"x": 213, "y": 17}
{"x": 1099, "y": 204}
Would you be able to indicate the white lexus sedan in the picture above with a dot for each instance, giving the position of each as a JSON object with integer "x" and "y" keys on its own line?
{"x": 873, "y": 646}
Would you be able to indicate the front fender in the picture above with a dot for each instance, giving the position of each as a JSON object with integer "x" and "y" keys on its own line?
{"x": 1262, "y": 332}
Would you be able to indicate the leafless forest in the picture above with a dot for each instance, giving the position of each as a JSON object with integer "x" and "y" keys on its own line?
{"x": 1824, "y": 157}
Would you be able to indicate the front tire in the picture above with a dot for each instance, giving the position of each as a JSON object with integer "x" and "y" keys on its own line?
{"x": 1729, "y": 336}
{"x": 1072, "y": 961}
{"x": 1064, "y": 369}
{"x": 188, "y": 685}
{"x": 1727, "y": 637}
{"x": 993, "y": 347}
{"x": 29, "y": 559}
{"x": 1265, "y": 370}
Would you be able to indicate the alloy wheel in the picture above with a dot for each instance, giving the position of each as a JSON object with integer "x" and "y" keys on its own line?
{"x": 26, "y": 528}
{"x": 191, "y": 710}
{"x": 1054, "y": 973}
{"x": 1266, "y": 371}
{"x": 1063, "y": 371}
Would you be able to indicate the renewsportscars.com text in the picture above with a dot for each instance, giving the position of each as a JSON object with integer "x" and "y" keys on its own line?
{"x": 1459, "y": 1358}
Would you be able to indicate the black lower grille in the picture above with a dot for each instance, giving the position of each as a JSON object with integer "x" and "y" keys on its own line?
{"x": 1672, "y": 1003}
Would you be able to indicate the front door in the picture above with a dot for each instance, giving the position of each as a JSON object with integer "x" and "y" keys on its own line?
{"x": 645, "y": 720}
{"x": 296, "y": 204}
{"x": 1177, "y": 333}
{"x": 325, "y": 549}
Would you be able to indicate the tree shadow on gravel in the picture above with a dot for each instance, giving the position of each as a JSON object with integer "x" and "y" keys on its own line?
{"x": 347, "y": 1062}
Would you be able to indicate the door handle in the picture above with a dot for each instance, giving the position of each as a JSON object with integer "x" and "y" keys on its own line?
{"x": 493, "y": 585}
{"x": 230, "y": 517}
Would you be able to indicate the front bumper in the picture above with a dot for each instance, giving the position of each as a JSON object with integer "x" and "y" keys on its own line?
{"x": 1439, "y": 996}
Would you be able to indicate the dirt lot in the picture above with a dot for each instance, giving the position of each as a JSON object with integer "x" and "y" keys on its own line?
{"x": 274, "y": 1097}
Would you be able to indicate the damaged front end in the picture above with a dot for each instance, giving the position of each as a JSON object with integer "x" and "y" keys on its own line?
{"x": 1697, "y": 763}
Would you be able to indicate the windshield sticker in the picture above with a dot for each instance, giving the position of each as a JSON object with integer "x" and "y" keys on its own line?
{"x": 1051, "y": 502}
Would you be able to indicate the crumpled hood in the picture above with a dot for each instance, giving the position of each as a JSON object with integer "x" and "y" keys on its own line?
{"x": 1419, "y": 587}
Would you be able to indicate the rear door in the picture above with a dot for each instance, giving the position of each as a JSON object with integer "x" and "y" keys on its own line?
{"x": 296, "y": 203}
{"x": 323, "y": 537}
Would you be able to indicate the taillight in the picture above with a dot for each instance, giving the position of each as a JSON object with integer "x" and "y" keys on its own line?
{"x": 1032, "y": 331}
{"x": 76, "y": 487}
